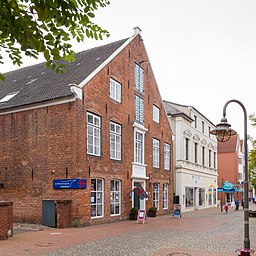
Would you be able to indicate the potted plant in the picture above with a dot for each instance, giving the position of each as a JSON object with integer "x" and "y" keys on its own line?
{"x": 152, "y": 211}
{"x": 134, "y": 213}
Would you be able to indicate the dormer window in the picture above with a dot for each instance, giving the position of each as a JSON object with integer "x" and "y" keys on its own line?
{"x": 9, "y": 96}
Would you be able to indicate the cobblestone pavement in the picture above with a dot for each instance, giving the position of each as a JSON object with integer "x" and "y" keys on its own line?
{"x": 207, "y": 232}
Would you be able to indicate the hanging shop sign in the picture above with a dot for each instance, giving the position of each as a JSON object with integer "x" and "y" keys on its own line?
{"x": 70, "y": 184}
{"x": 227, "y": 187}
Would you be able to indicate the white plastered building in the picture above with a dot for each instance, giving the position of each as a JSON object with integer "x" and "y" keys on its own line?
{"x": 195, "y": 157}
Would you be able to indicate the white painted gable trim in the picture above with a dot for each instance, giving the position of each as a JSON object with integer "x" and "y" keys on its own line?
{"x": 111, "y": 57}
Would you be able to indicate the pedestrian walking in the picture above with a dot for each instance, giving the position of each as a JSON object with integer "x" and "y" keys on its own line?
{"x": 237, "y": 204}
{"x": 242, "y": 203}
{"x": 226, "y": 208}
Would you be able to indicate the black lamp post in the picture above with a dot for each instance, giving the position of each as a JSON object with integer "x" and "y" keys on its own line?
{"x": 223, "y": 132}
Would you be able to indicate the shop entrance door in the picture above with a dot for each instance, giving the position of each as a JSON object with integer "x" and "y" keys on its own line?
{"x": 137, "y": 200}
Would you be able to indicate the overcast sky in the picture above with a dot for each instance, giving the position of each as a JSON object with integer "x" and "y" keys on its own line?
{"x": 203, "y": 53}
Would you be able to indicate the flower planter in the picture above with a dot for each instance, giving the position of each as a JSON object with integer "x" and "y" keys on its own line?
{"x": 133, "y": 216}
{"x": 151, "y": 214}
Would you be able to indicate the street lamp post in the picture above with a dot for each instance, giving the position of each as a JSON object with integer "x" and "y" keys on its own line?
{"x": 223, "y": 132}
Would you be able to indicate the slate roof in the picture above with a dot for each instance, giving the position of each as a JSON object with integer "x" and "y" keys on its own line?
{"x": 37, "y": 84}
{"x": 170, "y": 110}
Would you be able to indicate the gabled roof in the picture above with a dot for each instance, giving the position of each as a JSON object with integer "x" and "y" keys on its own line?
{"x": 171, "y": 110}
{"x": 36, "y": 84}
{"x": 186, "y": 107}
{"x": 229, "y": 146}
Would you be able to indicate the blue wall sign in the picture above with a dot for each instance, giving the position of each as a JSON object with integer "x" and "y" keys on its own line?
{"x": 70, "y": 184}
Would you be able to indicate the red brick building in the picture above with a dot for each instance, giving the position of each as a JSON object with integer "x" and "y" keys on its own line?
{"x": 102, "y": 123}
{"x": 231, "y": 168}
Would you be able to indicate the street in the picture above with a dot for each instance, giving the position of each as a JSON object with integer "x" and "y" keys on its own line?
{"x": 200, "y": 232}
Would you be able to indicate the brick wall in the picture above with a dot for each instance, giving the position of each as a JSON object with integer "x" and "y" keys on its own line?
{"x": 63, "y": 210}
{"x": 6, "y": 217}
{"x": 49, "y": 143}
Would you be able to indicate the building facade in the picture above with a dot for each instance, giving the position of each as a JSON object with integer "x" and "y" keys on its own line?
{"x": 231, "y": 169}
{"x": 94, "y": 136}
{"x": 195, "y": 157}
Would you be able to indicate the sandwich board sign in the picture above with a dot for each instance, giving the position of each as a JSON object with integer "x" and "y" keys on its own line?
{"x": 141, "y": 216}
{"x": 177, "y": 211}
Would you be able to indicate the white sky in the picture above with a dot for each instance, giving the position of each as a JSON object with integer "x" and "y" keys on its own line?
{"x": 203, "y": 52}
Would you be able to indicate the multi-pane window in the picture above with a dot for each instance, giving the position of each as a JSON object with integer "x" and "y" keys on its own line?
{"x": 97, "y": 197}
{"x": 210, "y": 158}
{"x": 201, "y": 196}
{"x": 139, "y": 109}
{"x": 203, "y": 155}
{"x": 202, "y": 126}
{"x": 189, "y": 194}
{"x": 115, "y": 141}
{"x": 115, "y": 90}
{"x": 156, "y": 114}
{"x": 138, "y": 78}
{"x": 156, "y": 195}
{"x": 210, "y": 196}
{"x": 167, "y": 156}
{"x": 93, "y": 134}
{"x": 209, "y": 129}
{"x": 214, "y": 196}
{"x": 196, "y": 152}
{"x": 186, "y": 149}
{"x": 156, "y": 153}
{"x": 195, "y": 121}
{"x": 115, "y": 197}
{"x": 138, "y": 147}
{"x": 165, "y": 196}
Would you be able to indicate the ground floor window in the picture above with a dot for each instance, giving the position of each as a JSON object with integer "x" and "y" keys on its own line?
{"x": 165, "y": 196}
{"x": 156, "y": 195}
{"x": 97, "y": 197}
{"x": 189, "y": 193}
{"x": 201, "y": 196}
{"x": 115, "y": 197}
{"x": 210, "y": 196}
{"x": 214, "y": 196}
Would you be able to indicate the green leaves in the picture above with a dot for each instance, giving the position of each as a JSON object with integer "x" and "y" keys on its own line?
{"x": 33, "y": 26}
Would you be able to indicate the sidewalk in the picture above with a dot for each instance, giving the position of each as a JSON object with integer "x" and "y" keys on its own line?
{"x": 201, "y": 232}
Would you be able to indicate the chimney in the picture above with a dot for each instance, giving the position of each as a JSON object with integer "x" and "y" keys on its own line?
{"x": 137, "y": 31}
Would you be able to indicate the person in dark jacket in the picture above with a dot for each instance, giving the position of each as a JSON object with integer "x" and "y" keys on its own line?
{"x": 242, "y": 203}
{"x": 237, "y": 204}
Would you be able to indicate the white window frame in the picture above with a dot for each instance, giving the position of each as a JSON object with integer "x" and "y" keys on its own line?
{"x": 115, "y": 90}
{"x": 167, "y": 156}
{"x": 196, "y": 152}
{"x": 210, "y": 158}
{"x": 115, "y": 197}
{"x": 156, "y": 153}
{"x": 156, "y": 114}
{"x": 203, "y": 155}
{"x": 115, "y": 141}
{"x": 93, "y": 135}
{"x": 156, "y": 195}
{"x": 97, "y": 198}
{"x": 187, "y": 149}
{"x": 138, "y": 147}
{"x": 138, "y": 78}
{"x": 138, "y": 109}
{"x": 165, "y": 195}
